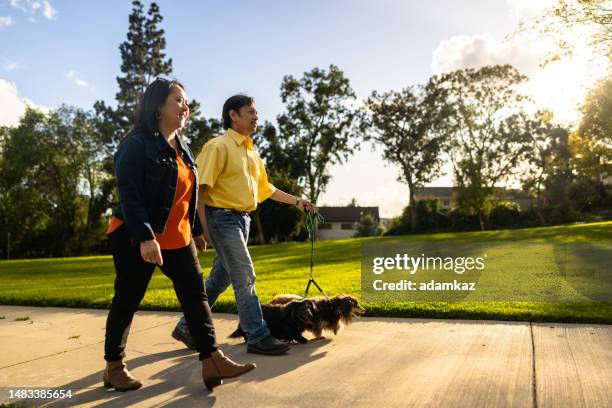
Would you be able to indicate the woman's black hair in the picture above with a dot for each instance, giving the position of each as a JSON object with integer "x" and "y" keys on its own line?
{"x": 234, "y": 103}
{"x": 146, "y": 118}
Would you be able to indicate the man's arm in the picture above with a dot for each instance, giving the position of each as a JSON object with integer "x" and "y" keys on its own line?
{"x": 282, "y": 197}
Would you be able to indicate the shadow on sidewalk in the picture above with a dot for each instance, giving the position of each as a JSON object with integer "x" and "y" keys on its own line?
{"x": 180, "y": 384}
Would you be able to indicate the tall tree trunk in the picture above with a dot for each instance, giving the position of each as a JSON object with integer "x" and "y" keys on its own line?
{"x": 539, "y": 211}
{"x": 412, "y": 206}
{"x": 481, "y": 222}
{"x": 260, "y": 235}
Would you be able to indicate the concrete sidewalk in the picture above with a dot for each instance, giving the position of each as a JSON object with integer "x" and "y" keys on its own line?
{"x": 380, "y": 362}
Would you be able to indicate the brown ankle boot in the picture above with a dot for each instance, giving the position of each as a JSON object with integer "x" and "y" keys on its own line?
{"x": 217, "y": 367}
{"x": 118, "y": 377}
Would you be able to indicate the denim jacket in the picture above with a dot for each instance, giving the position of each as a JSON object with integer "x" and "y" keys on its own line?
{"x": 147, "y": 171}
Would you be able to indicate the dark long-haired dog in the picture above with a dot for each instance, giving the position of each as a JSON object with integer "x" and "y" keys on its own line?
{"x": 286, "y": 321}
{"x": 328, "y": 313}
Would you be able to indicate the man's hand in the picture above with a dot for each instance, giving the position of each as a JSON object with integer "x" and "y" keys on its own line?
{"x": 304, "y": 204}
{"x": 150, "y": 252}
{"x": 201, "y": 242}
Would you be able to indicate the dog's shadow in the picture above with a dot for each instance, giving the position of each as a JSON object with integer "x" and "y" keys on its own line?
{"x": 180, "y": 384}
{"x": 274, "y": 366}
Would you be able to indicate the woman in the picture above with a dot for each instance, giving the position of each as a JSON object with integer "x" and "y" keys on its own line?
{"x": 154, "y": 225}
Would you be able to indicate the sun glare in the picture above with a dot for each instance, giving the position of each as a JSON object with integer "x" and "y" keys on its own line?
{"x": 562, "y": 85}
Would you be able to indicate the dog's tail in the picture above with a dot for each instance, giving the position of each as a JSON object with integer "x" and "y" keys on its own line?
{"x": 237, "y": 333}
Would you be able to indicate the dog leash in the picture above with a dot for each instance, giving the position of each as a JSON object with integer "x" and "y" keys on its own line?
{"x": 313, "y": 217}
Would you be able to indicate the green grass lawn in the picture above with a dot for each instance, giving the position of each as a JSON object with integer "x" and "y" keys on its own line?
{"x": 283, "y": 268}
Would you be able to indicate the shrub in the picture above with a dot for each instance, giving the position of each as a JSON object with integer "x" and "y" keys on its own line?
{"x": 505, "y": 214}
{"x": 367, "y": 227}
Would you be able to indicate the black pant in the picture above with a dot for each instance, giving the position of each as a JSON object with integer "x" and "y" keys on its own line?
{"x": 132, "y": 278}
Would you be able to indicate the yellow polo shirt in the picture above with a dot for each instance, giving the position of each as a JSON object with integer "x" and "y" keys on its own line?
{"x": 234, "y": 173}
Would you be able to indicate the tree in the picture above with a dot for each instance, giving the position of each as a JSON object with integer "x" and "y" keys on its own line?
{"x": 316, "y": 127}
{"x": 491, "y": 132}
{"x": 596, "y": 14}
{"x": 558, "y": 184}
{"x": 367, "y": 227}
{"x": 200, "y": 130}
{"x": 90, "y": 153}
{"x": 540, "y": 161}
{"x": 279, "y": 222}
{"x": 50, "y": 173}
{"x": 274, "y": 221}
{"x": 591, "y": 145}
{"x": 559, "y": 22}
{"x": 142, "y": 59}
{"x": 23, "y": 209}
{"x": 410, "y": 127}
{"x": 429, "y": 216}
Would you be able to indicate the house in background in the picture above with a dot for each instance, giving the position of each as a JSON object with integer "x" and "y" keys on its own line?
{"x": 341, "y": 222}
{"x": 446, "y": 199}
{"x": 444, "y": 196}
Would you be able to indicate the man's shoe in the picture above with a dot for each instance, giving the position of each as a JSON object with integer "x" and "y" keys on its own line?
{"x": 184, "y": 336}
{"x": 270, "y": 346}
{"x": 118, "y": 377}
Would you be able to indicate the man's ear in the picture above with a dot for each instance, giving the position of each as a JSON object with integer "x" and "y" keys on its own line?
{"x": 233, "y": 115}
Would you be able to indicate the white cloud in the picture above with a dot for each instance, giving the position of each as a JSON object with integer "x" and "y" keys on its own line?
{"x": 479, "y": 50}
{"x": 6, "y": 21}
{"x": 13, "y": 105}
{"x": 9, "y": 66}
{"x": 48, "y": 11}
{"x": 72, "y": 75}
{"x": 558, "y": 86}
{"x": 35, "y": 6}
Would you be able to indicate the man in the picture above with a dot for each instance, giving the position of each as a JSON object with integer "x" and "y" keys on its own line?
{"x": 233, "y": 181}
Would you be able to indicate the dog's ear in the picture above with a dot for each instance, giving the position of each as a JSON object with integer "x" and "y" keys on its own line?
{"x": 346, "y": 306}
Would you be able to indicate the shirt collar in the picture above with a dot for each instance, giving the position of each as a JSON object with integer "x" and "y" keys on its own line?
{"x": 240, "y": 139}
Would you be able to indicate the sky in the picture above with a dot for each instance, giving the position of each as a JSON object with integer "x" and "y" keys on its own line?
{"x": 54, "y": 52}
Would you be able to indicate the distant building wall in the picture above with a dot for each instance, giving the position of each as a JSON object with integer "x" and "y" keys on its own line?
{"x": 341, "y": 222}
{"x": 336, "y": 230}
{"x": 446, "y": 199}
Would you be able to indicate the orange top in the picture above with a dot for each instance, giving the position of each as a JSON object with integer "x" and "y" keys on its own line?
{"x": 178, "y": 230}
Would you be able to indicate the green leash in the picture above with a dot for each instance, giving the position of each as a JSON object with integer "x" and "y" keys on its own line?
{"x": 313, "y": 217}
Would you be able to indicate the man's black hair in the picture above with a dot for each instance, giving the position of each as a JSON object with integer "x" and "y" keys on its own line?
{"x": 234, "y": 103}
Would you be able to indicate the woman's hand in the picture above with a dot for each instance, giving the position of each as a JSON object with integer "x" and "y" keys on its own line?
{"x": 304, "y": 204}
{"x": 201, "y": 242}
{"x": 150, "y": 252}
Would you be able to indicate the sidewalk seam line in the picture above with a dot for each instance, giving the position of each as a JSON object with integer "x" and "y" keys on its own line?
{"x": 533, "y": 367}
{"x": 74, "y": 349}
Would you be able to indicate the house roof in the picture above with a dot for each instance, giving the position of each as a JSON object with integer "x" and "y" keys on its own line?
{"x": 445, "y": 192}
{"x": 347, "y": 214}
{"x": 434, "y": 192}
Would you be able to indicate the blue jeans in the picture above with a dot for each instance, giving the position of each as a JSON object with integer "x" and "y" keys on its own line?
{"x": 229, "y": 233}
